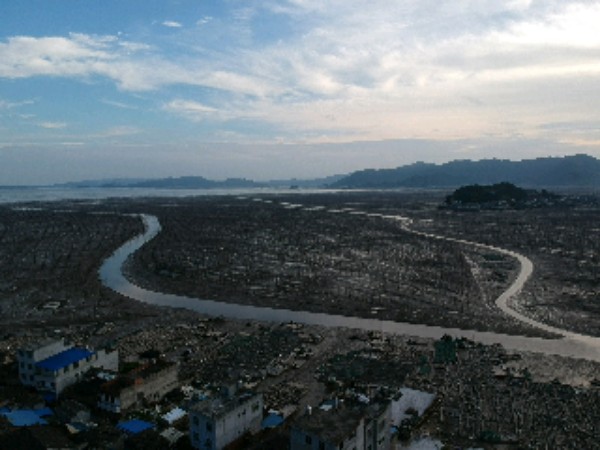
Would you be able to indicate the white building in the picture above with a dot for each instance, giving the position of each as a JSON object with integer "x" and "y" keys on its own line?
{"x": 53, "y": 365}
{"x": 28, "y": 356}
{"x": 216, "y": 422}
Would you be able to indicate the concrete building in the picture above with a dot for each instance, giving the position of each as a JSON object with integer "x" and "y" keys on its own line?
{"x": 28, "y": 356}
{"x": 149, "y": 384}
{"x": 217, "y": 422}
{"x": 346, "y": 427}
{"x": 53, "y": 365}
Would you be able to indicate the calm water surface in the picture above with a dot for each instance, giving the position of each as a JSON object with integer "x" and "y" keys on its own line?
{"x": 47, "y": 194}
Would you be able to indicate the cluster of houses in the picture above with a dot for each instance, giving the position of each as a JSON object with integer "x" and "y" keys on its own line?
{"x": 215, "y": 421}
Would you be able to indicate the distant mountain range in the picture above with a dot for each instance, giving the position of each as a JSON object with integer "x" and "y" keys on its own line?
{"x": 572, "y": 171}
{"x": 569, "y": 171}
{"x": 198, "y": 182}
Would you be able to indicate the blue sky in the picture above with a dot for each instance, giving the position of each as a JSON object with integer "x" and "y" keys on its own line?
{"x": 298, "y": 88}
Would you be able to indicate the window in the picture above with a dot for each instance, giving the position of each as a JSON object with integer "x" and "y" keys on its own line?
{"x": 321, "y": 446}
{"x": 195, "y": 437}
{"x": 308, "y": 440}
{"x": 195, "y": 420}
{"x": 208, "y": 426}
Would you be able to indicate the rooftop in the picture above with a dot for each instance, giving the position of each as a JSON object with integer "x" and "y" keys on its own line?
{"x": 335, "y": 425}
{"x": 27, "y": 417}
{"x": 219, "y": 406}
{"x": 116, "y": 385}
{"x": 36, "y": 345}
{"x": 151, "y": 369}
{"x": 174, "y": 415}
{"x": 64, "y": 359}
{"x": 134, "y": 426}
{"x": 331, "y": 426}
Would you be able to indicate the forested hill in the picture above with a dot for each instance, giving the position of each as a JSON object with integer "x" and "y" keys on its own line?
{"x": 575, "y": 171}
{"x": 500, "y": 196}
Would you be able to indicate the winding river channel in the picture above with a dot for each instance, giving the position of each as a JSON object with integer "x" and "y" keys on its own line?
{"x": 568, "y": 344}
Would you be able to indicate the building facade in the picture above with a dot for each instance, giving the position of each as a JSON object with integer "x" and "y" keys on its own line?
{"x": 53, "y": 365}
{"x": 28, "y": 356}
{"x": 217, "y": 422}
{"x": 149, "y": 383}
{"x": 357, "y": 427}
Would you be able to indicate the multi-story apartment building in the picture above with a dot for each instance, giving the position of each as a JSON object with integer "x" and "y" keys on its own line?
{"x": 53, "y": 365}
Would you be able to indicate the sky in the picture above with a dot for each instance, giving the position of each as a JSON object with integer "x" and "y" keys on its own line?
{"x": 278, "y": 89}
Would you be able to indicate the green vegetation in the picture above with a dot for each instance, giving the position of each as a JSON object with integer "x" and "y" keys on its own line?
{"x": 500, "y": 195}
{"x": 482, "y": 194}
{"x": 445, "y": 350}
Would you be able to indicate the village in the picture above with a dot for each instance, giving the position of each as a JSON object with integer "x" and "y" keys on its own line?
{"x": 83, "y": 367}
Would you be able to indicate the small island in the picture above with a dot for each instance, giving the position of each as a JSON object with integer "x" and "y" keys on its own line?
{"x": 499, "y": 196}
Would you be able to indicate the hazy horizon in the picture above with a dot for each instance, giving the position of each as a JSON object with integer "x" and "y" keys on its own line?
{"x": 290, "y": 89}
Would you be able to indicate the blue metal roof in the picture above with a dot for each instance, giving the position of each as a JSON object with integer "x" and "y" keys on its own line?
{"x": 27, "y": 417}
{"x": 134, "y": 426}
{"x": 272, "y": 421}
{"x": 63, "y": 359}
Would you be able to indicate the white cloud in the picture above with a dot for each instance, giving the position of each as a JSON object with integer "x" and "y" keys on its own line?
{"x": 24, "y": 56}
{"x": 118, "y": 131}
{"x": 133, "y": 47}
{"x": 172, "y": 24}
{"x": 117, "y": 104}
{"x": 9, "y": 105}
{"x": 575, "y": 26}
{"x": 53, "y": 125}
{"x": 405, "y": 69}
{"x": 190, "y": 109}
{"x": 378, "y": 70}
{"x": 84, "y": 56}
{"x": 204, "y": 20}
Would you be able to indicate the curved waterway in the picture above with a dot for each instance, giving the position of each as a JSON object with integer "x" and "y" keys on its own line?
{"x": 571, "y": 344}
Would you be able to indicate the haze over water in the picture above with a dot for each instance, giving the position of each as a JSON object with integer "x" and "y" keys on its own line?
{"x": 47, "y": 194}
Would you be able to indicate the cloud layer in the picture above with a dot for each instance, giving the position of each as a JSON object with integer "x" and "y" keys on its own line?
{"x": 307, "y": 71}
